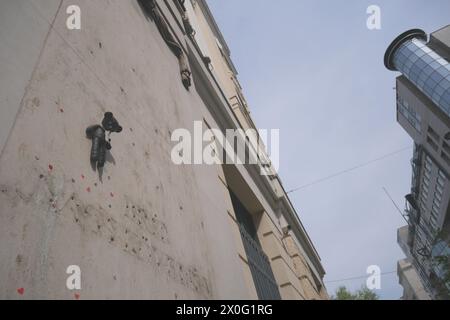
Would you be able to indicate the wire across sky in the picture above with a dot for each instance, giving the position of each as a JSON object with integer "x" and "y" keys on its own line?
{"x": 362, "y": 165}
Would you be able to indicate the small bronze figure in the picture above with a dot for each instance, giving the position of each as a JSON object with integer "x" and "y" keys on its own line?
{"x": 97, "y": 133}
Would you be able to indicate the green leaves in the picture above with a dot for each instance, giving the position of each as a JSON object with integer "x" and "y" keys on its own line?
{"x": 342, "y": 293}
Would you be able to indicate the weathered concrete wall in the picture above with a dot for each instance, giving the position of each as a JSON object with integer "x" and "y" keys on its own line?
{"x": 22, "y": 36}
{"x": 148, "y": 228}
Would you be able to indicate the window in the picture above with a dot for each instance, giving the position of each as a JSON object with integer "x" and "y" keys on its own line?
{"x": 446, "y": 158}
{"x": 440, "y": 182}
{"x": 439, "y": 189}
{"x": 437, "y": 202}
{"x": 442, "y": 175}
{"x": 422, "y": 206}
{"x": 435, "y": 210}
{"x": 432, "y": 143}
{"x": 446, "y": 147}
{"x": 433, "y": 133}
{"x": 409, "y": 113}
{"x": 433, "y": 223}
{"x": 425, "y": 190}
{"x": 424, "y": 197}
{"x": 438, "y": 196}
{"x": 259, "y": 264}
{"x": 426, "y": 181}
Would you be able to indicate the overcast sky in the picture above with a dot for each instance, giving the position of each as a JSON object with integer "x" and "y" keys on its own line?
{"x": 314, "y": 70}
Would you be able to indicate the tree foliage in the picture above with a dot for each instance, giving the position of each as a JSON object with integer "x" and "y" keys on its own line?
{"x": 342, "y": 293}
{"x": 442, "y": 262}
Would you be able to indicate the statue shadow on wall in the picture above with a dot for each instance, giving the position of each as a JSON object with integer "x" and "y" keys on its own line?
{"x": 109, "y": 158}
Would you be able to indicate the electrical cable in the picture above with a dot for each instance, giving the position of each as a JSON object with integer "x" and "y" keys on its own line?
{"x": 365, "y": 164}
{"x": 359, "y": 277}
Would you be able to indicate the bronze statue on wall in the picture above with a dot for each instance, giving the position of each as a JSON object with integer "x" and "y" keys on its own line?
{"x": 97, "y": 133}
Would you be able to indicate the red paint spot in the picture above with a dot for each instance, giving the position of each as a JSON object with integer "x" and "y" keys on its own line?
{"x": 50, "y": 167}
{"x": 82, "y": 176}
{"x": 77, "y": 296}
{"x": 88, "y": 189}
{"x": 21, "y": 291}
{"x": 112, "y": 195}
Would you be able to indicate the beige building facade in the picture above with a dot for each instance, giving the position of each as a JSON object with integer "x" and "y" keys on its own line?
{"x": 410, "y": 281}
{"x": 143, "y": 227}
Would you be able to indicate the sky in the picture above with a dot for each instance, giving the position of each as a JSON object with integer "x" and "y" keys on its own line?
{"x": 313, "y": 69}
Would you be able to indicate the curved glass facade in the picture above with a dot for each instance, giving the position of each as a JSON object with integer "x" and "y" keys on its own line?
{"x": 426, "y": 69}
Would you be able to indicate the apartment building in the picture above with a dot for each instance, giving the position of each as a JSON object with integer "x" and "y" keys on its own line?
{"x": 423, "y": 110}
{"x": 138, "y": 226}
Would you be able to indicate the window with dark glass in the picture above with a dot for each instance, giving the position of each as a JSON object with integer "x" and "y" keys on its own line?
{"x": 262, "y": 274}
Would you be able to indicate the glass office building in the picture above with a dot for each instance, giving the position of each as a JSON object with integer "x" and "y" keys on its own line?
{"x": 426, "y": 69}
{"x": 423, "y": 110}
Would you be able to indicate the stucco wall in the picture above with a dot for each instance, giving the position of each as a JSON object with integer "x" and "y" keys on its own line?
{"x": 22, "y": 36}
{"x": 148, "y": 228}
